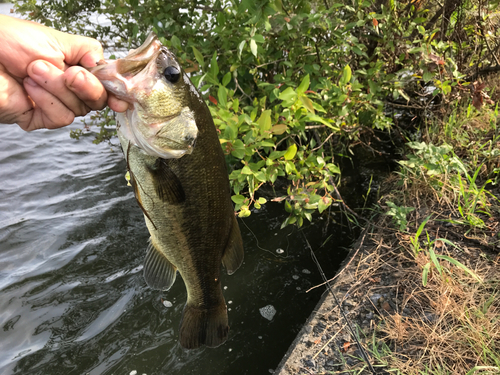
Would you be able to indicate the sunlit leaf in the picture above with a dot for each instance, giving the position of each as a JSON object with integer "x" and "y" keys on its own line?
{"x": 346, "y": 75}
{"x": 290, "y": 152}
{"x": 308, "y": 104}
{"x": 253, "y": 47}
{"x": 304, "y": 85}
{"x": 279, "y": 129}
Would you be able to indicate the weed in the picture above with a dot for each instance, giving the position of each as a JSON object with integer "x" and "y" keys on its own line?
{"x": 398, "y": 214}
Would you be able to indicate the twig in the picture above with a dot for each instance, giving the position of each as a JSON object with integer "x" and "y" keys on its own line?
{"x": 239, "y": 87}
{"x": 343, "y": 269}
{"x": 315, "y": 127}
{"x": 321, "y": 145}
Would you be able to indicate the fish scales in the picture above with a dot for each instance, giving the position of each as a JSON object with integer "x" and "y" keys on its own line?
{"x": 183, "y": 191}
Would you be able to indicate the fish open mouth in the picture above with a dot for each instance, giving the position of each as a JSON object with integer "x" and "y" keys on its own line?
{"x": 137, "y": 59}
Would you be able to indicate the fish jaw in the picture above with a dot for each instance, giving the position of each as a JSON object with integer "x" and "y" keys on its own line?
{"x": 126, "y": 84}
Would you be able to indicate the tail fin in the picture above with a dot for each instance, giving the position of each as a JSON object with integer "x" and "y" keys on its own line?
{"x": 203, "y": 326}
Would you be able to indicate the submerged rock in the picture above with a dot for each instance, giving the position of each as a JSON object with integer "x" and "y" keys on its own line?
{"x": 268, "y": 312}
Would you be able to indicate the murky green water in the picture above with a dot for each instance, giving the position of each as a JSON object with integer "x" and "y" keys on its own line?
{"x": 72, "y": 296}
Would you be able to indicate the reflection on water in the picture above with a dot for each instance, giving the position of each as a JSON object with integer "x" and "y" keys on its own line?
{"x": 72, "y": 296}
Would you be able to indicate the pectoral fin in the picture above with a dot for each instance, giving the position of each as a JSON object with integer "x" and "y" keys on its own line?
{"x": 167, "y": 185}
{"x": 158, "y": 271}
{"x": 233, "y": 254}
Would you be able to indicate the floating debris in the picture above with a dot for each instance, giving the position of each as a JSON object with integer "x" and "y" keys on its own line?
{"x": 295, "y": 277}
{"x": 167, "y": 303}
{"x": 306, "y": 271}
{"x": 279, "y": 250}
{"x": 268, "y": 312}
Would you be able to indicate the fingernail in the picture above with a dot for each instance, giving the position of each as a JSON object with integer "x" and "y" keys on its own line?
{"x": 30, "y": 82}
{"x": 78, "y": 82}
{"x": 40, "y": 68}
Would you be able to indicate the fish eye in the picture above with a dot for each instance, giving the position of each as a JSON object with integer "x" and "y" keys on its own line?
{"x": 172, "y": 74}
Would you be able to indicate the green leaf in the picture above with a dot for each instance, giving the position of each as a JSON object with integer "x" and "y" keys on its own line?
{"x": 304, "y": 85}
{"x": 435, "y": 260}
{"x": 324, "y": 203}
{"x": 240, "y": 48}
{"x": 425, "y": 273}
{"x": 288, "y": 94}
{"x": 316, "y": 118}
{"x": 226, "y": 79}
{"x": 176, "y": 43}
{"x": 246, "y": 170}
{"x": 460, "y": 265}
{"x": 264, "y": 121}
{"x": 214, "y": 67}
{"x": 253, "y": 47}
{"x": 290, "y": 153}
{"x": 238, "y": 150}
{"x": 198, "y": 56}
{"x": 238, "y": 199}
{"x": 258, "y": 38}
{"x": 416, "y": 49}
{"x": 346, "y": 75}
{"x": 279, "y": 129}
{"x": 308, "y": 104}
{"x": 236, "y": 104}
{"x": 222, "y": 95}
{"x": 333, "y": 168}
{"x": 276, "y": 154}
{"x": 244, "y": 212}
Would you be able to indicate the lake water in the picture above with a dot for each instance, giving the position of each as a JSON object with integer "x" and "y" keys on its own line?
{"x": 72, "y": 296}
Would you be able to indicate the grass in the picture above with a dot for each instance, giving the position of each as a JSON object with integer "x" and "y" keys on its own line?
{"x": 437, "y": 242}
{"x": 423, "y": 283}
{"x": 445, "y": 223}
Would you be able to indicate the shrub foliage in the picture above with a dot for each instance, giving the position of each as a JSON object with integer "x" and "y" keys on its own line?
{"x": 292, "y": 83}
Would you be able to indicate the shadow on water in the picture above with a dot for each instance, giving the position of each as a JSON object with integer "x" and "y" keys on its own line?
{"x": 72, "y": 296}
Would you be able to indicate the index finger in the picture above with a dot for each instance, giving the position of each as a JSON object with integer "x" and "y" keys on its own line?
{"x": 78, "y": 49}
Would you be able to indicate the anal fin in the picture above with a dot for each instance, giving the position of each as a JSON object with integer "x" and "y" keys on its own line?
{"x": 158, "y": 271}
{"x": 233, "y": 254}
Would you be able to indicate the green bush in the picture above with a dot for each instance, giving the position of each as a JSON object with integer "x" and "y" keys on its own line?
{"x": 290, "y": 84}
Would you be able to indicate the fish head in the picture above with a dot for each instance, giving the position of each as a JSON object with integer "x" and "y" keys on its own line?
{"x": 159, "y": 119}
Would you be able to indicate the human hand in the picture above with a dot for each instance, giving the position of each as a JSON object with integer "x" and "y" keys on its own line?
{"x": 41, "y": 85}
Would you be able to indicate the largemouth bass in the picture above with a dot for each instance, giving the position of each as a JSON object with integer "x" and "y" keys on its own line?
{"x": 180, "y": 180}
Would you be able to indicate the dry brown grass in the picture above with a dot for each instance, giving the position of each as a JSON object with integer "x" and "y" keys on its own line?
{"x": 451, "y": 325}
